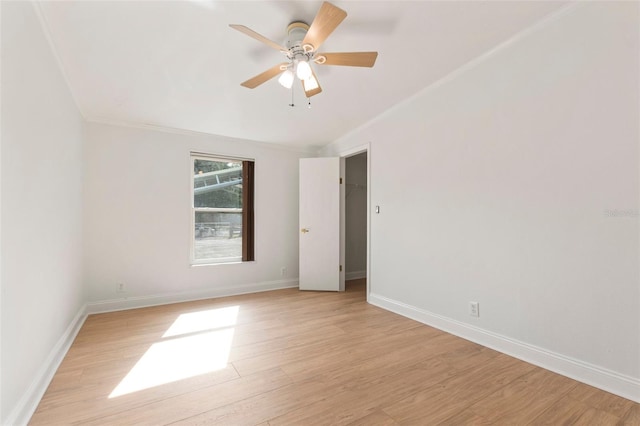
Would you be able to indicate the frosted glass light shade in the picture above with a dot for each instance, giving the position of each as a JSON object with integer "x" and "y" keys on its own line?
{"x": 303, "y": 70}
{"x": 286, "y": 79}
{"x": 310, "y": 83}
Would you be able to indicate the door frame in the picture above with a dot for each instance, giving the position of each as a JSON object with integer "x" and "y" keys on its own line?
{"x": 343, "y": 156}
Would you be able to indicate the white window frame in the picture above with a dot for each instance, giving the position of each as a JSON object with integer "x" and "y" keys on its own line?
{"x": 213, "y": 261}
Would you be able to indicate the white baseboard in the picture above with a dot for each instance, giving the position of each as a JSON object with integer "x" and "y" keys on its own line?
{"x": 26, "y": 406}
{"x": 355, "y": 275}
{"x": 607, "y": 380}
{"x": 166, "y": 298}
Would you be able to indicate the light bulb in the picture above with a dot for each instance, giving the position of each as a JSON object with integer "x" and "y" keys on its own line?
{"x": 286, "y": 79}
{"x": 310, "y": 84}
{"x": 304, "y": 70}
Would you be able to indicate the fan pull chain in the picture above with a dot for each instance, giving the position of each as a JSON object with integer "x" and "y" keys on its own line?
{"x": 309, "y": 100}
{"x": 292, "y": 104}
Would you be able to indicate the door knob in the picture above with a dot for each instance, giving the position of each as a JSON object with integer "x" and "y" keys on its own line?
{"x": 304, "y": 230}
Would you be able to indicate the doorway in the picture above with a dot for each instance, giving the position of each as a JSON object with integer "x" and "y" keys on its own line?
{"x": 356, "y": 220}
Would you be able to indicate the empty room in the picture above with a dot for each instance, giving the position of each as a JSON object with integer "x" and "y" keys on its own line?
{"x": 302, "y": 212}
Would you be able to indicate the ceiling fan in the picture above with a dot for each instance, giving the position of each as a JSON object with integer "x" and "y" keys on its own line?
{"x": 302, "y": 49}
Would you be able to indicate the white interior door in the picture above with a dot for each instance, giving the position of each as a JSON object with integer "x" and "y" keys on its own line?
{"x": 320, "y": 206}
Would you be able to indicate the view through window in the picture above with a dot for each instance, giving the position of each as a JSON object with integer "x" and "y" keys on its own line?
{"x": 222, "y": 192}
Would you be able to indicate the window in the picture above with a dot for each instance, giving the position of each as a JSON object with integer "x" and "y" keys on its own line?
{"x": 222, "y": 209}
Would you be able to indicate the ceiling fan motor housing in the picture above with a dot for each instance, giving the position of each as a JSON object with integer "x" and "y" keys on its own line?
{"x": 296, "y": 31}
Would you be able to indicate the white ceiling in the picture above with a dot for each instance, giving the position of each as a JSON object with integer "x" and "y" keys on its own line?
{"x": 177, "y": 64}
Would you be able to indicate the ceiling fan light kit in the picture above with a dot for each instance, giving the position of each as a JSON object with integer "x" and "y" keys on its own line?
{"x": 286, "y": 78}
{"x": 302, "y": 50}
{"x": 310, "y": 84}
{"x": 303, "y": 69}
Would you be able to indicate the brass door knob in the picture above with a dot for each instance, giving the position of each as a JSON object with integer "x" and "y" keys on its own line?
{"x": 304, "y": 230}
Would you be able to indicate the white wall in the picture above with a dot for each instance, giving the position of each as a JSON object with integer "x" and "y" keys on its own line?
{"x": 42, "y": 144}
{"x": 508, "y": 172}
{"x": 497, "y": 185}
{"x": 356, "y": 216}
{"x": 137, "y": 217}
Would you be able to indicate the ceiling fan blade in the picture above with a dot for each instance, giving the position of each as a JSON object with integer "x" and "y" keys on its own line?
{"x": 256, "y": 81}
{"x": 259, "y": 37}
{"x": 327, "y": 20}
{"x": 311, "y": 89}
{"x": 349, "y": 59}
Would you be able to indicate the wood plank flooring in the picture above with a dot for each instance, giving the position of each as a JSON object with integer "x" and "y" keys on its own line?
{"x": 303, "y": 358}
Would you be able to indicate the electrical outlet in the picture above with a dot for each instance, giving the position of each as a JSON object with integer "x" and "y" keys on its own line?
{"x": 120, "y": 288}
{"x": 474, "y": 309}
{"x": 283, "y": 271}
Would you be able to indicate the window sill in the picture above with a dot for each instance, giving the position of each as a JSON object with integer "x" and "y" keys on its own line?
{"x": 232, "y": 262}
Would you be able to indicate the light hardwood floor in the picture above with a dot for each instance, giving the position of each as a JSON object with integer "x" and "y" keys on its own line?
{"x": 303, "y": 358}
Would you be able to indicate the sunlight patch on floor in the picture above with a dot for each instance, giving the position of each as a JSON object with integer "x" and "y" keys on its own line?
{"x": 196, "y": 343}
{"x": 194, "y": 322}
